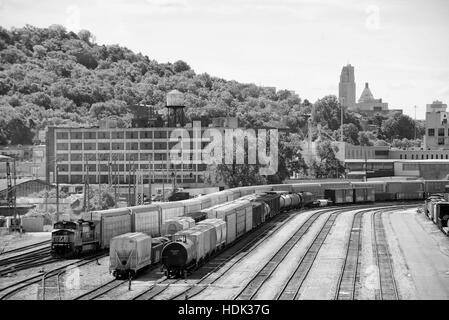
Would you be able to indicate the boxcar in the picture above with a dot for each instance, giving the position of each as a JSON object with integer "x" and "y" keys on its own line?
{"x": 129, "y": 253}
{"x": 442, "y": 214}
{"x": 173, "y": 225}
{"x": 170, "y": 210}
{"x": 273, "y": 201}
{"x": 191, "y": 205}
{"x": 147, "y": 219}
{"x": 220, "y": 230}
{"x": 113, "y": 222}
{"x": 435, "y": 186}
{"x": 339, "y": 195}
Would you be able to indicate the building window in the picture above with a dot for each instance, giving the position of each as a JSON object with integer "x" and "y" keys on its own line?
{"x": 104, "y": 146}
{"x": 90, "y": 135}
{"x": 117, "y": 146}
{"x": 436, "y": 156}
{"x": 422, "y": 156}
{"x": 132, "y": 135}
{"x": 431, "y": 156}
{"x": 118, "y": 135}
{"x": 62, "y": 135}
{"x": 446, "y": 156}
{"x": 441, "y": 157}
{"x": 62, "y": 146}
{"x": 76, "y": 167}
{"x": 431, "y": 132}
{"x": 132, "y": 146}
{"x": 145, "y": 134}
{"x": 413, "y": 157}
{"x": 103, "y": 135}
{"x": 441, "y": 132}
{"x": 400, "y": 156}
{"x": 405, "y": 156}
{"x": 90, "y": 146}
{"x": 63, "y": 157}
{"x": 76, "y": 135}
{"x": 441, "y": 141}
{"x": 75, "y": 146}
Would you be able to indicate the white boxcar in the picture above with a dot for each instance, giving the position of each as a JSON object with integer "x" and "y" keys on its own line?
{"x": 171, "y": 210}
{"x": 114, "y": 222}
{"x": 147, "y": 219}
{"x": 197, "y": 237}
{"x": 173, "y": 225}
{"x": 191, "y": 205}
{"x": 210, "y": 237}
{"x": 220, "y": 230}
{"x": 206, "y": 202}
{"x": 129, "y": 253}
{"x": 231, "y": 227}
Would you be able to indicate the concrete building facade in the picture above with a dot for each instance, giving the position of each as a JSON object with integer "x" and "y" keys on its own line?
{"x": 346, "y": 87}
{"x": 437, "y": 129}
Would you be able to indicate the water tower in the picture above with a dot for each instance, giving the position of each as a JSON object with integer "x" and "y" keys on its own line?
{"x": 175, "y": 106}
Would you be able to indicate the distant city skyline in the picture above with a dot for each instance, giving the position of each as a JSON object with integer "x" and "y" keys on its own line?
{"x": 399, "y": 47}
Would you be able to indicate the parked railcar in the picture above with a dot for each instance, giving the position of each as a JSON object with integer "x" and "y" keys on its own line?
{"x": 197, "y": 216}
{"x": 273, "y": 201}
{"x": 173, "y": 225}
{"x": 441, "y": 215}
{"x": 73, "y": 238}
{"x": 307, "y": 199}
{"x": 363, "y": 194}
{"x": 339, "y": 195}
{"x": 129, "y": 253}
{"x": 435, "y": 186}
{"x": 147, "y": 219}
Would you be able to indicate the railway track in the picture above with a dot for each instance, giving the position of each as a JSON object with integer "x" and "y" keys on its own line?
{"x": 387, "y": 284}
{"x": 16, "y": 287}
{"x": 102, "y": 290}
{"x": 291, "y": 289}
{"x": 31, "y": 246}
{"x": 346, "y": 287}
{"x": 216, "y": 263}
{"x": 254, "y": 285}
{"x": 210, "y": 278}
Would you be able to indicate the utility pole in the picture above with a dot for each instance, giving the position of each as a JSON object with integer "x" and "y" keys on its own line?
{"x": 129, "y": 182}
{"x": 57, "y": 190}
{"x": 99, "y": 178}
{"x": 86, "y": 188}
{"x": 134, "y": 183}
{"x": 149, "y": 178}
{"x": 116, "y": 179}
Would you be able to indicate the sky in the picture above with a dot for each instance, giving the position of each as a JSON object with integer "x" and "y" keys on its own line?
{"x": 400, "y": 47}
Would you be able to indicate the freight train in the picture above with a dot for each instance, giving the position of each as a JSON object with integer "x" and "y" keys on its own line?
{"x": 436, "y": 208}
{"x": 149, "y": 219}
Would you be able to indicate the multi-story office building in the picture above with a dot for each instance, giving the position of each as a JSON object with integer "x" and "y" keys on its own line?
{"x": 102, "y": 152}
{"x": 437, "y": 130}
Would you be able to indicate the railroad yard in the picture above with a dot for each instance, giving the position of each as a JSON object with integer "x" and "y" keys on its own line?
{"x": 383, "y": 251}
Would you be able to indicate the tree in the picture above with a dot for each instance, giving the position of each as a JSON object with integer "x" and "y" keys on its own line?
{"x": 180, "y": 66}
{"x": 350, "y": 134}
{"x": 399, "y": 127}
{"x": 18, "y": 133}
{"x": 328, "y": 166}
{"x": 239, "y": 175}
{"x": 365, "y": 138}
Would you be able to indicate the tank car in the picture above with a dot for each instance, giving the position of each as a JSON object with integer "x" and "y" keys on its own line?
{"x": 73, "y": 238}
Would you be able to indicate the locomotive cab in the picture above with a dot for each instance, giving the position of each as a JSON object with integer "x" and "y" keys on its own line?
{"x": 70, "y": 238}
